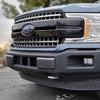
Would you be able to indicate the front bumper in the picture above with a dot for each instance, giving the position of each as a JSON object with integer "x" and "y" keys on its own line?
{"x": 68, "y": 64}
{"x": 57, "y": 62}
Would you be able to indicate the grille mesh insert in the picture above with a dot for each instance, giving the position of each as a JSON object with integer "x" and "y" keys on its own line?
{"x": 36, "y": 42}
{"x": 50, "y": 15}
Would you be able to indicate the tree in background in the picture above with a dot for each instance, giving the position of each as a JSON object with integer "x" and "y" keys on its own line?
{"x": 3, "y": 50}
{"x": 10, "y": 11}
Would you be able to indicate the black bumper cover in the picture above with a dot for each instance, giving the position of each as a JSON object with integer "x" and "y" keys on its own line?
{"x": 72, "y": 77}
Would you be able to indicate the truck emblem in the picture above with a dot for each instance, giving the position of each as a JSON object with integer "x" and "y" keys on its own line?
{"x": 28, "y": 30}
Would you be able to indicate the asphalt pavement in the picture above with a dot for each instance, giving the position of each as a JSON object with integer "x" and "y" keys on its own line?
{"x": 12, "y": 87}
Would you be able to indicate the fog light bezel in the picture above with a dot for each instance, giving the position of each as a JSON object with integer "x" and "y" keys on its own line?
{"x": 79, "y": 61}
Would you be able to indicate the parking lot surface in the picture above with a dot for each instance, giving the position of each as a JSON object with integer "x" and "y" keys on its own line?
{"x": 12, "y": 87}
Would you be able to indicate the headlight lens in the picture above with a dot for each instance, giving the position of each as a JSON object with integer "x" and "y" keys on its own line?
{"x": 92, "y": 26}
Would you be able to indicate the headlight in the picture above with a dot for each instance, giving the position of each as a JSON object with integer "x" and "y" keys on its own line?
{"x": 92, "y": 27}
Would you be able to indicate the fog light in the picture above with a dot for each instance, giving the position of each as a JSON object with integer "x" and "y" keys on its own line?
{"x": 80, "y": 61}
{"x": 88, "y": 61}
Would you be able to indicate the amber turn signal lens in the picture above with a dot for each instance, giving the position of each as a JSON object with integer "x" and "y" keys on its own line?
{"x": 86, "y": 28}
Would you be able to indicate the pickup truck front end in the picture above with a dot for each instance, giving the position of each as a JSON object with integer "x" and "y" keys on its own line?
{"x": 58, "y": 46}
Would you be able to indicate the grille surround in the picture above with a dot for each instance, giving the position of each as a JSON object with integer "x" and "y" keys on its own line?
{"x": 32, "y": 42}
{"x": 36, "y": 42}
{"x": 39, "y": 16}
